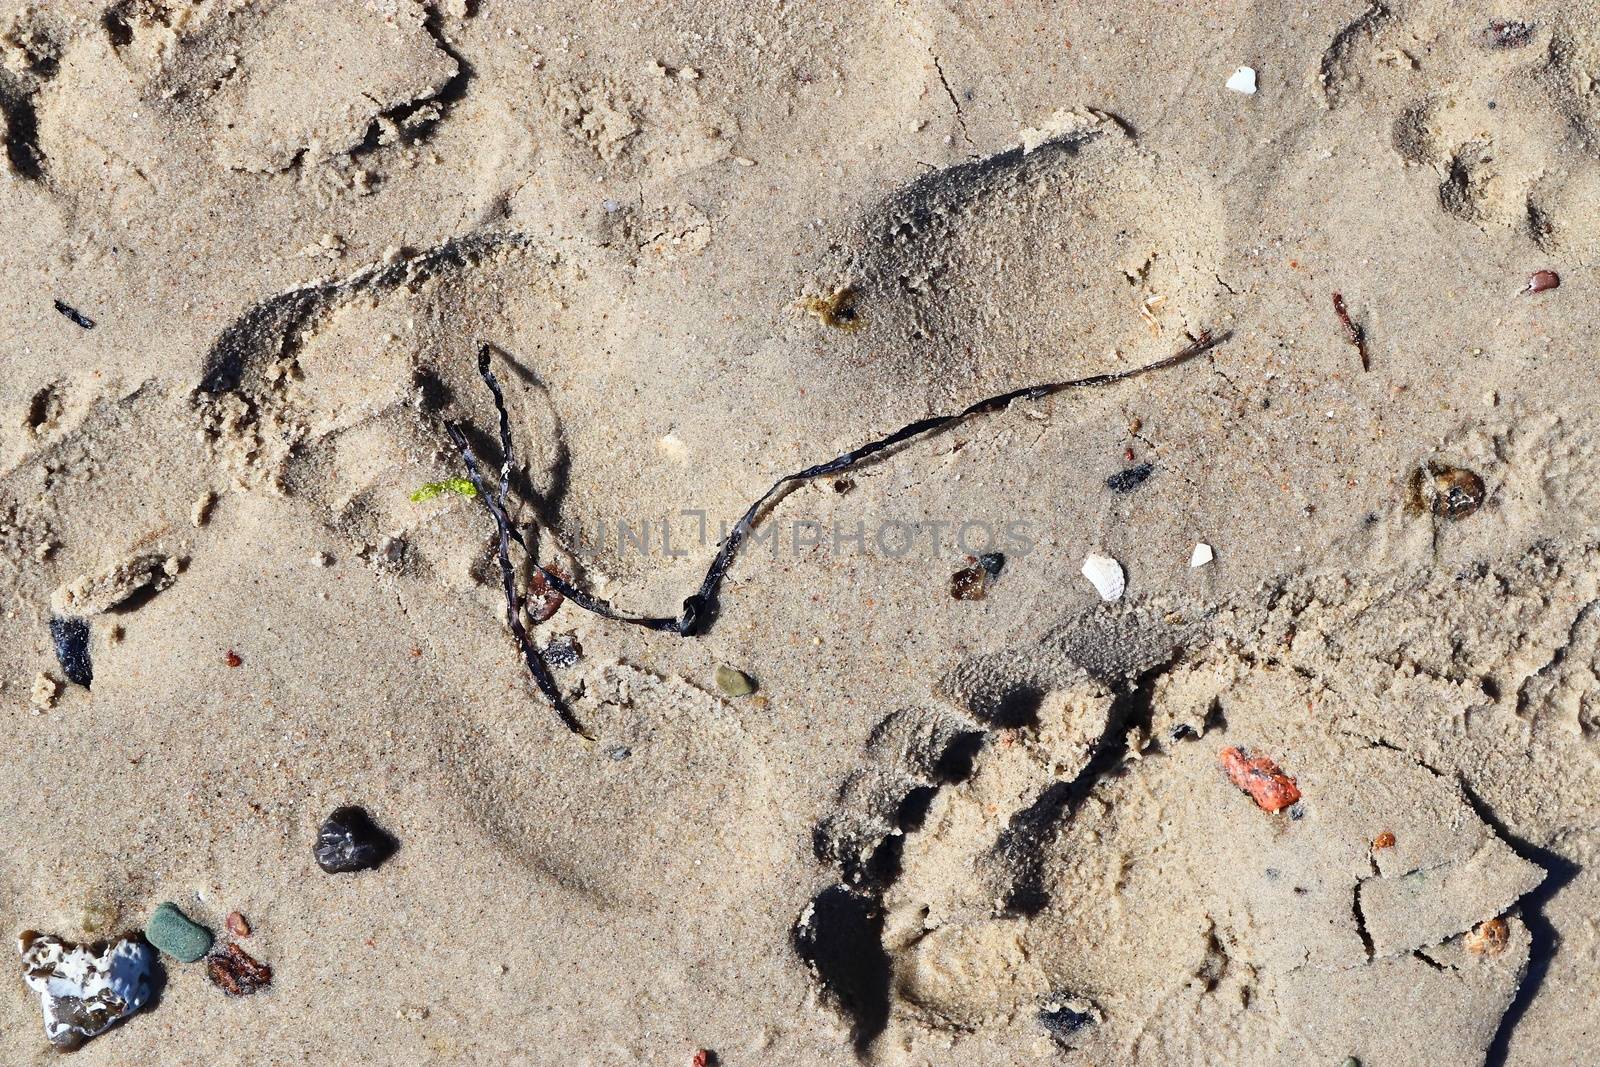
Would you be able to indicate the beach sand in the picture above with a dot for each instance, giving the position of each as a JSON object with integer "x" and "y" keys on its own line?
{"x": 707, "y": 245}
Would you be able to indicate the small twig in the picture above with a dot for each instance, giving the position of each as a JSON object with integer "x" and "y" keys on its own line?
{"x": 1352, "y": 333}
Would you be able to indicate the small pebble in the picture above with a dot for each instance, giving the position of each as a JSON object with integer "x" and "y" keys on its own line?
{"x": 620, "y": 753}
{"x": 1268, "y": 786}
{"x": 563, "y": 651}
{"x": 174, "y": 933}
{"x": 1201, "y": 555}
{"x": 1505, "y": 33}
{"x": 71, "y": 638}
{"x": 1449, "y": 492}
{"x": 734, "y": 682}
{"x": 232, "y": 658}
{"x": 1106, "y": 575}
{"x": 1243, "y": 80}
{"x": 969, "y": 583}
{"x": 237, "y": 924}
{"x": 350, "y": 841}
{"x": 1542, "y": 280}
{"x": 1488, "y": 938}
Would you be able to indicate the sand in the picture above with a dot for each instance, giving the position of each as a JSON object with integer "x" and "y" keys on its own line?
{"x": 709, "y": 244}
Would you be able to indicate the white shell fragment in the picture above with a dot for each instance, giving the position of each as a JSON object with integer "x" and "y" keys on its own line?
{"x": 1106, "y": 575}
{"x": 1201, "y": 555}
{"x": 83, "y": 994}
{"x": 1243, "y": 80}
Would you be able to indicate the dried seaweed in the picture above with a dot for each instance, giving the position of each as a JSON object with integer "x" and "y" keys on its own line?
{"x": 1126, "y": 481}
{"x": 495, "y": 502}
{"x": 699, "y": 609}
{"x": 1353, "y": 334}
{"x": 77, "y": 317}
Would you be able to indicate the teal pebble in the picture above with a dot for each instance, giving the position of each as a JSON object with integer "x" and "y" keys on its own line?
{"x": 174, "y": 933}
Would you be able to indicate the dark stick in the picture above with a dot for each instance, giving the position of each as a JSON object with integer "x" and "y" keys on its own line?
{"x": 1352, "y": 333}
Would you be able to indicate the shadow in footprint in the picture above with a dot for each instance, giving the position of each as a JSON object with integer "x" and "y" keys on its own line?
{"x": 840, "y": 937}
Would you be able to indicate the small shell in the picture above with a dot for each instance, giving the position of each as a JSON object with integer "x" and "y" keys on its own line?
{"x": 1243, "y": 80}
{"x": 1106, "y": 575}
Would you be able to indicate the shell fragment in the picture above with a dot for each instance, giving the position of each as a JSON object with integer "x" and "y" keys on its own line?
{"x": 1106, "y": 575}
{"x": 1243, "y": 80}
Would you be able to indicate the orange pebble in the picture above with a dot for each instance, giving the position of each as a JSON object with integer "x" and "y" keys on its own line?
{"x": 1260, "y": 777}
{"x": 1383, "y": 840}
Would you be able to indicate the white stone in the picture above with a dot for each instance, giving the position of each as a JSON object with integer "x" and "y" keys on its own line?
{"x": 1201, "y": 555}
{"x": 1106, "y": 575}
{"x": 1243, "y": 80}
{"x": 83, "y": 994}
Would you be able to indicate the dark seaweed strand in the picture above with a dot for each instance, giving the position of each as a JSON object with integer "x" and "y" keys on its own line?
{"x": 699, "y": 608}
{"x": 487, "y": 374}
{"x": 586, "y": 601}
{"x": 702, "y": 605}
{"x": 536, "y": 666}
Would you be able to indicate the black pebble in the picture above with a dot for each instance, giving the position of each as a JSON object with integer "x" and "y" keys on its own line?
{"x": 992, "y": 563}
{"x": 1063, "y": 1022}
{"x": 350, "y": 841}
{"x": 71, "y": 637}
{"x": 562, "y": 651}
{"x": 1126, "y": 481}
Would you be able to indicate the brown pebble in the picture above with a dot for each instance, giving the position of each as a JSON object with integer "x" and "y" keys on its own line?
{"x": 232, "y": 658}
{"x": 1383, "y": 840}
{"x": 1541, "y": 280}
{"x": 237, "y": 925}
{"x": 971, "y": 583}
{"x": 236, "y": 972}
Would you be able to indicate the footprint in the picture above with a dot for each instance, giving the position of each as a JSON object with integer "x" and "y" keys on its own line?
{"x": 305, "y": 81}
{"x": 1085, "y": 875}
{"x": 1023, "y": 267}
{"x": 1500, "y": 109}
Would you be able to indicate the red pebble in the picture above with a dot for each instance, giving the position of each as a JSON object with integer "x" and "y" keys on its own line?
{"x": 702, "y": 1058}
{"x": 1261, "y": 778}
{"x": 232, "y": 658}
{"x": 1540, "y": 280}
